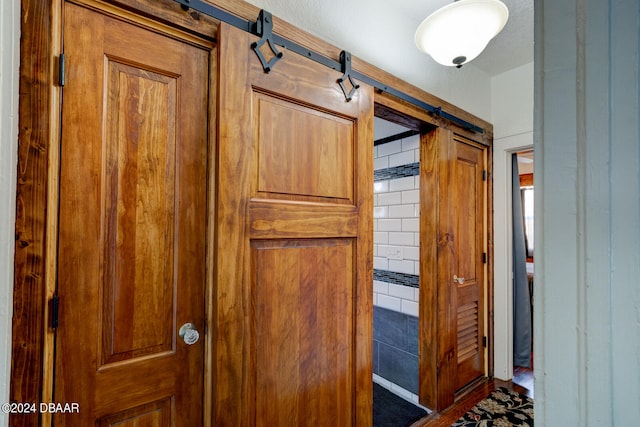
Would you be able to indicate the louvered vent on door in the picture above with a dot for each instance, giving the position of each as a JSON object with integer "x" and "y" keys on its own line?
{"x": 467, "y": 331}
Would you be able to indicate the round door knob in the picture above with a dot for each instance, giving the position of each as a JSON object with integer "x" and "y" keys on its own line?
{"x": 189, "y": 333}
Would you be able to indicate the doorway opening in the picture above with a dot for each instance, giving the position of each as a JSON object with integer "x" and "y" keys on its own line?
{"x": 396, "y": 264}
{"x": 523, "y": 198}
{"x": 505, "y": 150}
{"x": 430, "y": 185}
{"x": 396, "y": 257}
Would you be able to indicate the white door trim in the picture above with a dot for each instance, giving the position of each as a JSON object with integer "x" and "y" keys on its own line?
{"x": 503, "y": 148}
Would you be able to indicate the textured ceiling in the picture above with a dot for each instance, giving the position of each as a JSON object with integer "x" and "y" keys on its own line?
{"x": 509, "y": 49}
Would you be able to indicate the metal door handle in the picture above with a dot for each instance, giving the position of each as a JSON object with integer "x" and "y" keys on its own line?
{"x": 189, "y": 333}
{"x": 460, "y": 280}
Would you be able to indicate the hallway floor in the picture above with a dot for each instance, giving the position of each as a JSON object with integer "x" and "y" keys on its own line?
{"x": 522, "y": 383}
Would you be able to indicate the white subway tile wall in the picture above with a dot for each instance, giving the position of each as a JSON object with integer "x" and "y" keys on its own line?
{"x": 397, "y": 224}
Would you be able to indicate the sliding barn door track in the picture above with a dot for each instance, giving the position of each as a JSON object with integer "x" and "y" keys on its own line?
{"x": 263, "y": 28}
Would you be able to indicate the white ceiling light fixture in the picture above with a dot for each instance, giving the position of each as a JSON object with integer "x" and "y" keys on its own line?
{"x": 458, "y": 32}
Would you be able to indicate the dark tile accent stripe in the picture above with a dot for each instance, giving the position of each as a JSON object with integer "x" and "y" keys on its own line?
{"x": 412, "y": 280}
{"x": 403, "y": 171}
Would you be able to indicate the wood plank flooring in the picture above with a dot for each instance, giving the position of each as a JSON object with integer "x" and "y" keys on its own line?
{"x": 522, "y": 383}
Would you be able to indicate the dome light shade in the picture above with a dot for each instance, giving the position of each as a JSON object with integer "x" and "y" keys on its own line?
{"x": 458, "y": 32}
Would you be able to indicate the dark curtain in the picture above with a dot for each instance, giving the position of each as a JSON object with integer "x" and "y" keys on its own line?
{"x": 521, "y": 296}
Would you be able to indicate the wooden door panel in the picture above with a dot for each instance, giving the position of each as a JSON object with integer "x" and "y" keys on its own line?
{"x": 304, "y": 308}
{"x": 152, "y": 414}
{"x": 293, "y": 138}
{"x": 139, "y": 199}
{"x": 467, "y": 211}
{"x": 131, "y": 266}
{"x": 268, "y": 220}
{"x": 294, "y": 297}
{"x": 469, "y": 226}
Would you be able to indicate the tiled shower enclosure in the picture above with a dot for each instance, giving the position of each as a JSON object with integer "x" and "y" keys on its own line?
{"x": 396, "y": 260}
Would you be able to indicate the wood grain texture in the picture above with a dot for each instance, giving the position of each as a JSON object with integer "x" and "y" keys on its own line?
{"x": 461, "y": 239}
{"x": 152, "y": 414}
{"x": 34, "y": 277}
{"x": 428, "y": 318}
{"x": 468, "y": 198}
{"x": 139, "y": 196}
{"x": 209, "y": 301}
{"x": 294, "y": 259}
{"x": 37, "y": 194}
{"x": 451, "y": 336}
{"x": 132, "y": 215}
{"x": 292, "y": 137}
{"x": 172, "y": 14}
{"x": 446, "y": 261}
{"x": 232, "y": 298}
{"x": 35, "y": 218}
{"x": 311, "y": 42}
{"x": 163, "y": 16}
{"x": 268, "y": 220}
{"x": 304, "y": 310}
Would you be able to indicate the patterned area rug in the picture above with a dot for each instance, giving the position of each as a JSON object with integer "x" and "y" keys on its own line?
{"x": 502, "y": 408}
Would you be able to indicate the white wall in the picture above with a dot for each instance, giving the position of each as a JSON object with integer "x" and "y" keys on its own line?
{"x": 512, "y": 112}
{"x": 378, "y": 32}
{"x": 512, "y": 102}
{"x": 587, "y": 311}
{"x": 9, "y": 60}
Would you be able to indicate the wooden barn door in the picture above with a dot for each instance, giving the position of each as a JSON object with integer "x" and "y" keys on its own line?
{"x": 294, "y": 243}
{"x": 132, "y": 230}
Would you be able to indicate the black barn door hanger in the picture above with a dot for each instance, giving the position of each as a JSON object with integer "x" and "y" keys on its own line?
{"x": 263, "y": 28}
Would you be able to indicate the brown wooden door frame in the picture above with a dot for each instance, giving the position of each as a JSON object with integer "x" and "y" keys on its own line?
{"x": 36, "y": 208}
{"x": 436, "y": 367}
{"x": 438, "y": 360}
{"x": 37, "y": 189}
{"x": 36, "y": 199}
